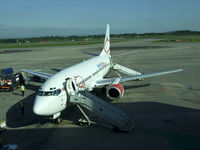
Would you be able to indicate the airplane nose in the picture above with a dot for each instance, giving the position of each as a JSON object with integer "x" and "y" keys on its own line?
{"x": 38, "y": 110}
{"x": 40, "y": 107}
{"x": 47, "y": 106}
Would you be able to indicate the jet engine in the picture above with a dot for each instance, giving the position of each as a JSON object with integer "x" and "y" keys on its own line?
{"x": 115, "y": 91}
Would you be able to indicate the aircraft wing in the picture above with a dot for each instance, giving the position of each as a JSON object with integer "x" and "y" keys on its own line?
{"x": 36, "y": 73}
{"x": 134, "y": 77}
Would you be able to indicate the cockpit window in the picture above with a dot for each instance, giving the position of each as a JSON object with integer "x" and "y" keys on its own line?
{"x": 57, "y": 92}
{"x": 40, "y": 93}
{"x": 49, "y": 93}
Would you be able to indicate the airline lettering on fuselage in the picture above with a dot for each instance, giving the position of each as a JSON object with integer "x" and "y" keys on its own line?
{"x": 101, "y": 65}
{"x": 79, "y": 81}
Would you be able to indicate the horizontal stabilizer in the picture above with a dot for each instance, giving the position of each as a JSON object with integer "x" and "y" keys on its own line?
{"x": 122, "y": 54}
{"x": 125, "y": 70}
{"x": 92, "y": 54}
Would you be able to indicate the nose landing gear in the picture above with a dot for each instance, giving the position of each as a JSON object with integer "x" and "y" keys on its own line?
{"x": 56, "y": 118}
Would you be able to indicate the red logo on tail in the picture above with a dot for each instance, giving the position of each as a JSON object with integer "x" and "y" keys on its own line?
{"x": 107, "y": 46}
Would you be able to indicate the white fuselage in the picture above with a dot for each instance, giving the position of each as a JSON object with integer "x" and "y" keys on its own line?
{"x": 52, "y": 97}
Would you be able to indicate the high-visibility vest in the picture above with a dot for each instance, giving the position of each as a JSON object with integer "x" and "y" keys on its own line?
{"x": 22, "y": 88}
{"x": 21, "y": 104}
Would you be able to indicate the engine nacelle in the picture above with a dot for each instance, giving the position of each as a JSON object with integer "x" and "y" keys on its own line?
{"x": 115, "y": 91}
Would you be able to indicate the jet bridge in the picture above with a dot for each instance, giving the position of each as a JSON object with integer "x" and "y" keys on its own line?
{"x": 109, "y": 113}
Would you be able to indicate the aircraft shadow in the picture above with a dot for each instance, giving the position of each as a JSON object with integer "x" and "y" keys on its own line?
{"x": 158, "y": 125}
{"x": 14, "y": 118}
{"x": 56, "y": 70}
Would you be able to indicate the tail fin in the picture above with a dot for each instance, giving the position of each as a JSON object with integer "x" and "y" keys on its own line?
{"x": 106, "y": 48}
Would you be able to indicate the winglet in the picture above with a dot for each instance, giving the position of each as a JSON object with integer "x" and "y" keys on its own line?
{"x": 106, "y": 48}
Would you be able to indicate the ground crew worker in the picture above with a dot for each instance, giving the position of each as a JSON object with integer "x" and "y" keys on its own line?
{"x": 22, "y": 89}
{"x": 21, "y": 104}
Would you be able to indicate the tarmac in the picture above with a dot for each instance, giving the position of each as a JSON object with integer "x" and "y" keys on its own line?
{"x": 165, "y": 109}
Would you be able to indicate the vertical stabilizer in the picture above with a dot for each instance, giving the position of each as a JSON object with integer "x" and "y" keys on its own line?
{"x": 106, "y": 48}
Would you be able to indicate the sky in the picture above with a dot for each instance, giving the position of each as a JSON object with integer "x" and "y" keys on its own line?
{"x": 34, "y": 18}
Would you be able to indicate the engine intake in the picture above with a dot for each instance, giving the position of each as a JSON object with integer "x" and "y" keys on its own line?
{"x": 115, "y": 91}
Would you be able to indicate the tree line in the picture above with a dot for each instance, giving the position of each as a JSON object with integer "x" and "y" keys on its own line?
{"x": 94, "y": 37}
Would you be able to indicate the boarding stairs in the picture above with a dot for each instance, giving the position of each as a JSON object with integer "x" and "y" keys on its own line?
{"x": 111, "y": 114}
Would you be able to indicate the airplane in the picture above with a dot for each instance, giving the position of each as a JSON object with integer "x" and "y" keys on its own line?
{"x": 73, "y": 85}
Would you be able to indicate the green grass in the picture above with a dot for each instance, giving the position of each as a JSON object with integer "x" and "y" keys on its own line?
{"x": 51, "y": 44}
{"x": 29, "y": 45}
{"x": 161, "y": 38}
{"x": 180, "y": 38}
